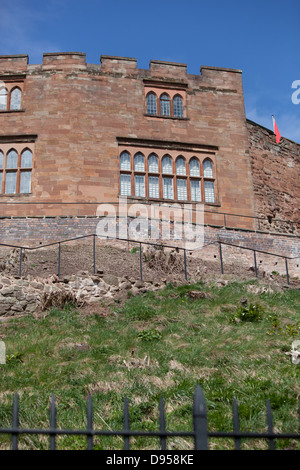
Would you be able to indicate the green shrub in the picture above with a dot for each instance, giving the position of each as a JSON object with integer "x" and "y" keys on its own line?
{"x": 149, "y": 335}
{"x": 249, "y": 313}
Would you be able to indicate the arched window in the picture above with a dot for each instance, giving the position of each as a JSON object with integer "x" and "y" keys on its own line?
{"x": 15, "y": 99}
{"x": 1, "y": 170}
{"x": 12, "y": 159}
{"x": 1, "y": 160}
{"x": 178, "y": 106}
{"x": 125, "y": 161}
{"x": 164, "y": 105}
{"x": 180, "y": 166}
{"x": 194, "y": 167}
{"x": 153, "y": 163}
{"x": 207, "y": 169}
{"x": 151, "y": 103}
{"x": 139, "y": 162}
{"x": 26, "y": 159}
{"x": 3, "y": 99}
{"x": 167, "y": 165}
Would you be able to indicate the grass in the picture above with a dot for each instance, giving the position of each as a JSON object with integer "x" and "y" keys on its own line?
{"x": 156, "y": 344}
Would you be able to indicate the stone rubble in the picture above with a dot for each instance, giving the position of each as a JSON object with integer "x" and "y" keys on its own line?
{"x": 19, "y": 296}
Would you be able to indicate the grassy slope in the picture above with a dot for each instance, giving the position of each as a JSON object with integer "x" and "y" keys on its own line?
{"x": 188, "y": 342}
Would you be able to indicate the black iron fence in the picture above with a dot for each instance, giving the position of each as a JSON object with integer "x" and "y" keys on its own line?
{"x": 200, "y": 433}
{"x": 141, "y": 243}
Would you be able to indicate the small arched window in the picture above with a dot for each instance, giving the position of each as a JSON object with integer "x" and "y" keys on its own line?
{"x": 139, "y": 162}
{"x": 3, "y": 99}
{"x": 26, "y": 159}
{"x": 12, "y": 159}
{"x": 178, "y": 106}
{"x": 167, "y": 165}
{"x": 125, "y": 161}
{"x": 15, "y": 99}
{"x": 208, "y": 169}
{"x": 151, "y": 103}
{"x": 1, "y": 161}
{"x": 180, "y": 166}
{"x": 194, "y": 167}
{"x": 153, "y": 163}
{"x": 164, "y": 105}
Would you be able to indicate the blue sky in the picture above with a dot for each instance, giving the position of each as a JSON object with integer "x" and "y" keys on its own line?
{"x": 260, "y": 37}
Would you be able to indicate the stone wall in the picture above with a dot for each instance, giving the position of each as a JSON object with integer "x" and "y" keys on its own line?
{"x": 275, "y": 175}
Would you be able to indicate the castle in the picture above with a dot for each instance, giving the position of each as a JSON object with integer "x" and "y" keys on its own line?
{"x": 74, "y": 134}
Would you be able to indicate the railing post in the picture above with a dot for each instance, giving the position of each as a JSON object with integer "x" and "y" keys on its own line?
{"x": 287, "y": 272}
{"x": 141, "y": 264}
{"x": 94, "y": 253}
{"x": 200, "y": 420}
{"x": 15, "y": 422}
{"x": 58, "y": 259}
{"x": 20, "y": 267}
{"x": 185, "y": 268}
{"x": 221, "y": 257}
{"x": 255, "y": 263}
{"x": 89, "y": 423}
{"x": 52, "y": 423}
{"x": 126, "y": 424}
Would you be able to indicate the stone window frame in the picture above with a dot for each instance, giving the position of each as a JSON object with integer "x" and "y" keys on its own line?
{"x": 5, "y": 150}
{"x": 172, "y": 90}
{"x": 11, "y": 84}
{"x": 187, "y": 177}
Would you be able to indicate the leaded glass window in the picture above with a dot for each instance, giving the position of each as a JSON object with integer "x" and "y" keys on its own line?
{"x": 209, "y": 191}
{"x": 168, "y": 188}
{"x": 167, "y": 165}
{"x": 153, "y": 163}
{"x": 3, "y": 99}
{"x": 139, "y": 185}
{"x": 11, "y": 182}
{"x": 15, "y": 99}
{"x": 139, "y": 162}
{"x": 208, "y": 169}
{"x": 153, "y": 186}
{"x": 125, "y": 188}
{"x": 178, "y": 106}
{"x": 195, "y": 190}
{"x": 12, "y": 159}
{"x": 125, "y": 161}
{"x": 180, "y": 166}
{"x": 165, "y": 105}
{"x": 26, "y": 159}
{"x": 194, "y": 167}
{"x": 181, "y": 190}
{"x": 151, "y": 103}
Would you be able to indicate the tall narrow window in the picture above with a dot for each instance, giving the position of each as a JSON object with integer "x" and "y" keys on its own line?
{"x": 194, "y": 167}
{"x": 167, "y": 165}
{"x": 151, "y": 103}
{"x": 153, "y": 186}
{"x": 125, "y": 161}
{"x": 139, "y": 162}
{"x": 168, "y": 188}
{"x": 3, "y": 99}
{"x": 153, "y": 163}
{"x": 1, "y": 169}
{"x": 180, "y": 166}
{"x": 15, "y": 99}
{"x": 25, "y": 176}
{"x": 178, "y": 106}
{"x": 181, "y": 190}
{"x": 195, "y": 190}
{"x": 207, "y": 169}
{"x": 125, "y": 185}
{"x": 209, "y": 191}
{"x": 11, "y": 172}
{"x": 164, "y": 105}
{"x": 139, "y": 185}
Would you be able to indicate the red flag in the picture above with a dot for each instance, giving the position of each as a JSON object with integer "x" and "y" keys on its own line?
{"x": 276, "y": 131}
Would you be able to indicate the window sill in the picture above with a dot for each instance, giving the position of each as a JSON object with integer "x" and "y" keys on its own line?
{"x": 159, "y": 116}
{"x": 8, "y": 111}
{"x": 15, "y": 195}
{"x": 173, "y": 201}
